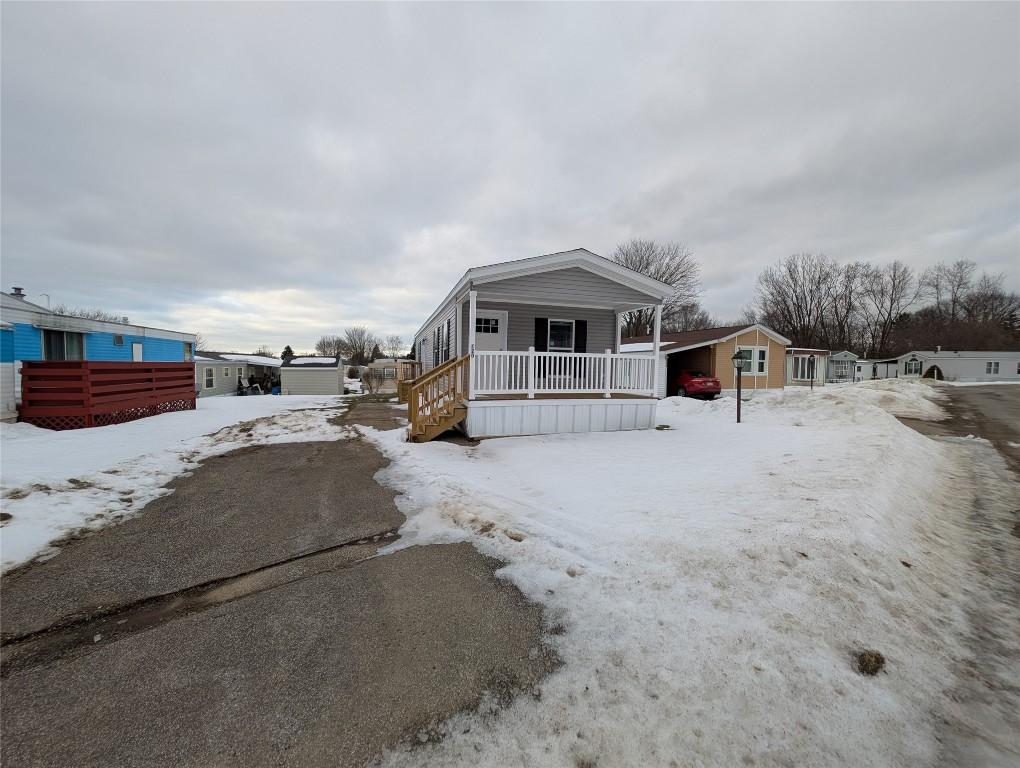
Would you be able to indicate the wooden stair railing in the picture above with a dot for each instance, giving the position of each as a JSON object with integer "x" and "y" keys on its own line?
{"x": 435, "y": 401}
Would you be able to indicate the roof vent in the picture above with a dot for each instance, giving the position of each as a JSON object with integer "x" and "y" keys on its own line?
{"x": 124, "y": 319}
{"x": 19, "y": 292}
{"x": 938, "y": 348}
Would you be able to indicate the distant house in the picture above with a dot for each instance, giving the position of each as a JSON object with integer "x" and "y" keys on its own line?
{"x": 312, "y": 375}
{"x": 866, "y": 370}
{"x": 803, "y": 365}
{"x": 842, "y": 367}
{"x": 711, "y": 351}
{"x": 960, "y": 365}
{"x": 217, "y": 373}
{"x": 31, "y": 332}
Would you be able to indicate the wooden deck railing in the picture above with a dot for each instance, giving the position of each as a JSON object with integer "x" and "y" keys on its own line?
{"x": 73, "y": 394}
{"x": 534, "y": 373}
{"x": 434, "y": 397}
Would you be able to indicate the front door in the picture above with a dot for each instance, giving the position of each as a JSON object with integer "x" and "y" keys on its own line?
{"x": 490, "y": 330}
{"x": 136, "y": 351}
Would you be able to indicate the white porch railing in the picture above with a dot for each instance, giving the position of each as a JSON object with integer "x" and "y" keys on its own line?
{"x": 537, "y": 373}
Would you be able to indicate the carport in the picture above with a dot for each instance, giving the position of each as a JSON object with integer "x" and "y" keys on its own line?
{"x": 697, "y": 359}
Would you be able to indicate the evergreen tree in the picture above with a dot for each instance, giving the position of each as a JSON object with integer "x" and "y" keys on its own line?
{"x": 287, "y": 354}
{"x": 377, "y": 353}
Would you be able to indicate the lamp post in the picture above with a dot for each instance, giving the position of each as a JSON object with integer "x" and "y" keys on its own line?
{"x": 811, "y": 367}
{"x": 738, "y": 364}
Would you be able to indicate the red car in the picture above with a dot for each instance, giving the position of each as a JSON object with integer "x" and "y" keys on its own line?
{"x": 696, "y": 384}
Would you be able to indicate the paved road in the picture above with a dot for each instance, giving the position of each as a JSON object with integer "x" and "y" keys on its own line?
{"x": 984, "y": 730}
{"x": 250, "y": 631}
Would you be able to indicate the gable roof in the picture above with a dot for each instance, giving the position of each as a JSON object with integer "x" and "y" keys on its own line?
{"x": 676, "y": 342}
{"x": 533, "y": 265}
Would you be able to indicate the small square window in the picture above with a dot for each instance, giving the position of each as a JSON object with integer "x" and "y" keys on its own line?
{"x": 486, "y": 325}
{"x": 118, "y": 341}
{"x": 992, "y": 367}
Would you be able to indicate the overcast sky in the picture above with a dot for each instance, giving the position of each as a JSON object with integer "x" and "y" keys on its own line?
{"x": 269, "y": 173}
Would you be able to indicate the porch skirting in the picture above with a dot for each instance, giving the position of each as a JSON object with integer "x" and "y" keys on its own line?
{"x": 506, "y": 418}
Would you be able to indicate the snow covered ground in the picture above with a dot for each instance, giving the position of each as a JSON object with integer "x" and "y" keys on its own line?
{"x": 709, "y": 583}
{"x": 54, "y": 483}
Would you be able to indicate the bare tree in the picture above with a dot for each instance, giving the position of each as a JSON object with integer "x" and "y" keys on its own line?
{"x": 87, "y": 313}
{"x": 888, "y": 293}
{"x": 842, "y": 325}
{"x": 330, "y": 346}
{"x": 671, "y": 263}
{"x": 201, "y": 342}
{"x": 264, "y": 351}
{"x": 947, "y": 285}
{"x": 688, "y": 317}
{"x": 358, "y": 343}
{"x": 792, "y": 296}
{"x": 394, "y": 346}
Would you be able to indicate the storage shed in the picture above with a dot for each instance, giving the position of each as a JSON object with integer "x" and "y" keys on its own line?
{"x": 313, "y": 375}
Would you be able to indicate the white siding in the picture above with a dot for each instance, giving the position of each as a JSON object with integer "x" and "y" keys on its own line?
{"x": 504, "y": 418}
{"x": 310, "y": 381}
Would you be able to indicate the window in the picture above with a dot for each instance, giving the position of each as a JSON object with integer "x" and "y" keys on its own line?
{"x": 992, "y": 367}
{"x": 912, "y": 368}
{"x": 486, "y": 325}
{"x": 118, "y": 340}
{"x": 561, "y": 335}
{"x": 210, "y": 377}
{"x": 226, "y": 373}
{"x": 756, "y": 360}
{"x": 63, "y": 345}
{"x": 1018, "y": 369}
{"x": 187, "y": 350}
{"x": 389, "y": 373}
{"x": 841, "y": 368}
{"x": 240, "y": 373}
{"x": 802, "y": 367}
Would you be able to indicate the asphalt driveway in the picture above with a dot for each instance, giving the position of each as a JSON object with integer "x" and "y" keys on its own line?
{"x": 250, "y": 619}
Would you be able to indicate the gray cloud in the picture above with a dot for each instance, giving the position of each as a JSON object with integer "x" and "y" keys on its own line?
{"x": 268, "y": 173}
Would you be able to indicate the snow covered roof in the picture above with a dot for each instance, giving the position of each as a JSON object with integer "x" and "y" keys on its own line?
{"x": 946, "y": 354}
{"x": 313, "y": 361}
{"x": 205, "y": 356}
{"x": 254, "y": 359}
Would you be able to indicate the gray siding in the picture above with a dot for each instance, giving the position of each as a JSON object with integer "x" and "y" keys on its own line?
{"x": 521, "y": 322}
{"x": 222, "y": 385}
{"x": 425, "y": 354}
{"x": 310, "y": 381}
{"x": 575, "y": 285}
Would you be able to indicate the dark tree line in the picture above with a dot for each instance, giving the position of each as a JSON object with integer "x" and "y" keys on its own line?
{"x": 885, "y": 310}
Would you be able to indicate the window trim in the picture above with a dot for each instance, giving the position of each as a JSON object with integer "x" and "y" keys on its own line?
{"x": 63, "y": 339}
{"x": 226, "y": 372}
{"x": 992, "y": 367}
{"x": 753, "y": 360}
{"x": 573, "y": 335}
{"x": 210, "y": 377}
{"x": 908, "y": 364}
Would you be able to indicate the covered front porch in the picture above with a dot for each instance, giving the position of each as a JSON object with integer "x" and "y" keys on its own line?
{"x": 533, "y": 346}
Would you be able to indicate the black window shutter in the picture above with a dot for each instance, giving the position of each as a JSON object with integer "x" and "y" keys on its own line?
{"x": 580, "y": 335}
{"x": 541, "y": 334}
{"x": 446, "y": 347}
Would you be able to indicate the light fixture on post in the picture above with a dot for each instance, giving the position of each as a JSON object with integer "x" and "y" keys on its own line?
{"x": 738, "y": 364}
{"x": 811, "y": 367}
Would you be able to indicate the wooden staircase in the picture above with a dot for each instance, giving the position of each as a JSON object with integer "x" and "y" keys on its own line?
{"x": 436, "y": 400}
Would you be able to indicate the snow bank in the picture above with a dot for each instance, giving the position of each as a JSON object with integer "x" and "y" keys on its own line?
{"x": 712, "y": 581}
{"x": 54, "y": 483}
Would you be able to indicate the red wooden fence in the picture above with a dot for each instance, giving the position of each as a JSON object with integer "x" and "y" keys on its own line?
{"x": 72, "y": 394}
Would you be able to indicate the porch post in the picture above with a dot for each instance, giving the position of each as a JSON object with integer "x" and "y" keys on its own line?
{"x": 608, "y": 381}
{"x": 531, "y": 373}
{"x": 655, "y": 349}
{"x": 472, "y": 310}
{"x": 617, "y": 350}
